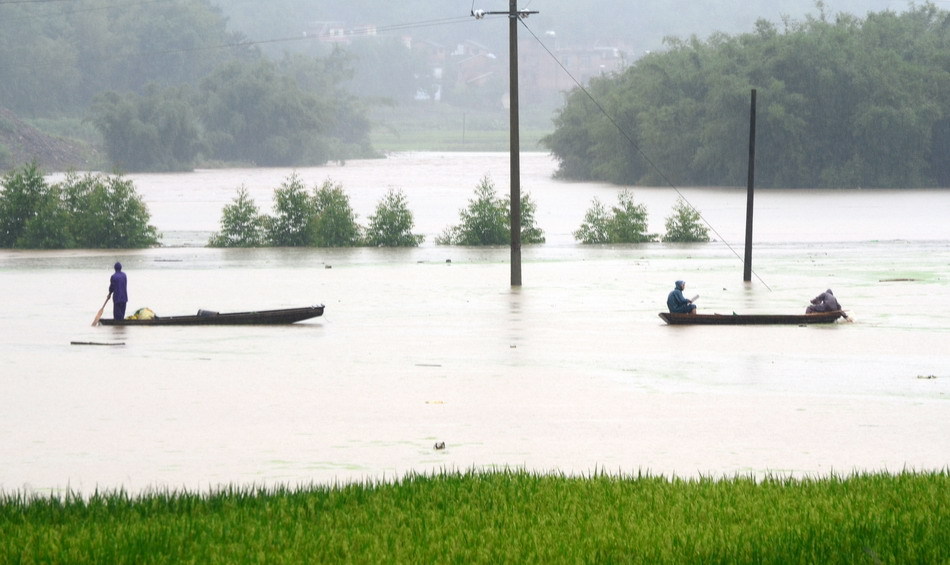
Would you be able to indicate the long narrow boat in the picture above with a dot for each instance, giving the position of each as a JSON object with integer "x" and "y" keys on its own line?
{"x": 743, "y": 319}
{"x": 206, "y": 318}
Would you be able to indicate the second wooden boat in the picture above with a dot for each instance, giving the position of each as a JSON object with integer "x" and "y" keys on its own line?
{"x": 744, "y": 319}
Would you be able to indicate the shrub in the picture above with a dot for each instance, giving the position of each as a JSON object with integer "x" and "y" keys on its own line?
{"x": 333, "y": 222}
{"x": 114, "y": 216}
{"x": 684, "y": 225}
{"x": 242, "y": 224}
{"x": 88, "y": 211}
{"x": 293, "y": 213}
{"x": 22, "y": 191}
{"x": 486, "y": 220}
{"x": 391, "y": 225}
{"x": 594, "y": 227}
{"x": 625, "y": 223}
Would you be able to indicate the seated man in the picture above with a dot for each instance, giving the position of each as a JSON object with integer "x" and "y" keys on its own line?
{"x": 824, "y": 302}
{"x": 678, "y": 303}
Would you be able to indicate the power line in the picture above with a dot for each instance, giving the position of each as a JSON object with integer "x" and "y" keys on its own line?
{"x": 636, "y": 147}
{"x": 34, "y": 1}
{"x": 48, "y": 14}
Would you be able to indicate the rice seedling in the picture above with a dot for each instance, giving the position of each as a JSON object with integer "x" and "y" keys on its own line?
{"x": 498, "y": 517}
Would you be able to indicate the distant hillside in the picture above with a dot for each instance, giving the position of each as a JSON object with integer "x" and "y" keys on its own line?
{"x": 21, "y": 143}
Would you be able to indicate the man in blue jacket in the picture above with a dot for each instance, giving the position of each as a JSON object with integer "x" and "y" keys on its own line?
{"x": 118, "y": 284}
{"x": 678, "y": 303}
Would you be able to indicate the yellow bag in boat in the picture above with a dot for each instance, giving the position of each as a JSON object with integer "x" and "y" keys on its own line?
{"x": 142, "y": 314}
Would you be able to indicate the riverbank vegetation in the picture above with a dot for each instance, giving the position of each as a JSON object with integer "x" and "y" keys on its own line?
{"x": 498, "y": 517}
{"x": 89, "y": 211}
{"x": 841, "y": 102}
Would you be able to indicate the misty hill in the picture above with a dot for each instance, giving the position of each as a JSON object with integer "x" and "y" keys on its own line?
{"x": 640, "y": 26}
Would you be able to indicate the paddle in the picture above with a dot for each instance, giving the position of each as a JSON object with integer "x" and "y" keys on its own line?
{"x": 95, "y": 322}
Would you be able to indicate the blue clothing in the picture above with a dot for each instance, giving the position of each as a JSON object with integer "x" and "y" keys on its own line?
{"x": 679, "y": 304}
{"x": 118, "y": 289}
{"x": 824, "y": 302}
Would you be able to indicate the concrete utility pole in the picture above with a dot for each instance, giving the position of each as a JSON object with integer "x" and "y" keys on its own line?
{"x": 515, "y": 143}
{"x": 750, "y": 195}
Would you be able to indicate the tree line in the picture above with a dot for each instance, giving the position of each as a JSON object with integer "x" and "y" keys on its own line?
{"x": 99, "y": 211}
{"x": 848, "y": 102}
{"x": 166, "y": 86}
{"x": 259, "y": 113}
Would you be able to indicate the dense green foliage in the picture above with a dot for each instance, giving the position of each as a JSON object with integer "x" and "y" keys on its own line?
{"x": 333, "y": 221}
{"x": 293, "y": 214}
{"x": 56, "y": 57}
{"x": 685, "y": 225}
{"x": 391, "y": 224}
{"x": 83, "y": 211}
{"x": 242, "y": 224}
{"x": 155, "y": 131}
{"x": 624, "y": 223}
{"x": 501, "y": 517}
{"x": 261, "y": 113}
{"x": 487, "y": 220}
{"x": 167, "y": 86}
{"x": 845, "y": 103}
{"x": 321, "y": 218}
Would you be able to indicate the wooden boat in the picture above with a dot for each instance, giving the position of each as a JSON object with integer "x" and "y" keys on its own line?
{"x": 208, "y": 318}
{"x": 743, "y": 319}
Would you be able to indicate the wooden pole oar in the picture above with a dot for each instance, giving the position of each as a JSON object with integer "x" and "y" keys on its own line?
{"x": 95, "y": 322}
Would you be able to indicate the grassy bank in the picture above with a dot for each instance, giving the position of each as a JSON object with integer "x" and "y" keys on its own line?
{"x": 503, "y": 517}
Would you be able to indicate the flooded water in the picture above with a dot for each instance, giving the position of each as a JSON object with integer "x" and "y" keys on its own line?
{"x": 573, "y": 372}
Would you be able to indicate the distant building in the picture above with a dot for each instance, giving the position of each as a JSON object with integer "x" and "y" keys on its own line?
{"x": 471, "y": 66}
{"x": 337, "y": 32}
{"x": 538, "y": 70}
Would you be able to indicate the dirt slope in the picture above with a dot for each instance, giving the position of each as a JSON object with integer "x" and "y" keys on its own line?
{"x": 21, "y": 143}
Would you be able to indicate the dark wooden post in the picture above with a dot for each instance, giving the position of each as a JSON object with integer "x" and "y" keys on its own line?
{"x": 747, "y": 270}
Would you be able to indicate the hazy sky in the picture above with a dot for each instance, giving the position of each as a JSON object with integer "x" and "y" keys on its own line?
{"x": 636, "y": 24}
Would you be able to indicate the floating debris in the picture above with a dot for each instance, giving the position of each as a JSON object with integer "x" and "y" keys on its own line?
{"x": 440, "y": 445}
{"x": 926, "y": 376}
{"x": 97, "y": 343}
{"x": 899, "y": 280}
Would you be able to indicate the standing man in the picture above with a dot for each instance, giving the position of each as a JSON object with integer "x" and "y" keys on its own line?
{"x": 118, "y": 292}
{"x": 678, "y": 303}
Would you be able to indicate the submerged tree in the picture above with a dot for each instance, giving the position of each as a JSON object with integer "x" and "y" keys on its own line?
{"x": 487, "y": 220}
{"x": 624, "y": 223}
{"x": 333, "y": 223}
{"x": 242, "y": 224}
{"x": 323, "y": 218}
{"x": 293, "y": 213}
{"x": 594, "y": 227}
{"x": 83, "y": 211}
{"x": 685, "y": 225}
{"x": 391, "y": 225}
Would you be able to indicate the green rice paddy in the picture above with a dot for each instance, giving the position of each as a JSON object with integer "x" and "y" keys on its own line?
{"x": 498, "y": 517}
